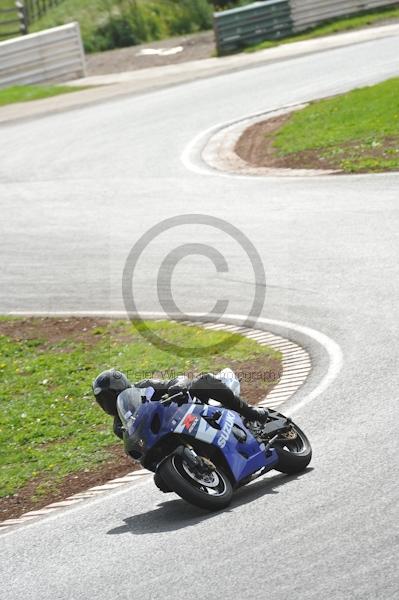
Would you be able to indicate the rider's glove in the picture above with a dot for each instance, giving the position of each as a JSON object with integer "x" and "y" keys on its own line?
{"x": 157, "y": 384}
{"x": 182, "y": 398}
{"x": 179, "y": 385}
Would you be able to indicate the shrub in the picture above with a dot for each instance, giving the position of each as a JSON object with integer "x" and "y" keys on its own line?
{"x": 131, "y": 22}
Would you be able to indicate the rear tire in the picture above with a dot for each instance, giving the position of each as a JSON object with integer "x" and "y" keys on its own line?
{"x": 294, "y": 454}
{"x": 177, "y": 475}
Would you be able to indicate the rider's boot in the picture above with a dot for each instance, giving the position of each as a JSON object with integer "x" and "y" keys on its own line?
{"x": 260, "y": 415}
{"x": 254, "y": 414}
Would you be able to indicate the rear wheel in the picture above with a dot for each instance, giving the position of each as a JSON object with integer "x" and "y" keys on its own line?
{"x": 211, "y": 490}
{"x": 294, "y": 451}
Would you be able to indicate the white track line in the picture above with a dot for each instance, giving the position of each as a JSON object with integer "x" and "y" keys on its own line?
{"x": 192, "y": 160}
{"x": 54, "y": 513}
{"x": 295, "y": 373}
{"x": 333, "y": 350}
{"x": 192, "y": 151}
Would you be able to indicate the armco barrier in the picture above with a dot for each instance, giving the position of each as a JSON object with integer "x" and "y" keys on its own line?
{"x": 53, "y": 55}
{"x": 240, "y": 27}
{"x": 308, "y": 13}
{"x": 273, "y": 19}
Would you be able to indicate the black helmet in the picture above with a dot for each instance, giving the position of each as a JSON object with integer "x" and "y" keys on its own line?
{"x": 106, "y": 388}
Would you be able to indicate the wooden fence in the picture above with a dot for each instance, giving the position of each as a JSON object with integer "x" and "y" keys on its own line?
{"x": 37, "y": 8}
{"x": 12, "y": 19}
{"x": 16, "y": 16}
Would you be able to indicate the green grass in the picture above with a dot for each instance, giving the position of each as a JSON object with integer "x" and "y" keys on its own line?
{"x": 5, "y": 4}
{"x": 6, "y": 29}
{"x": 334, "y": 26}
{"x": 355, "y": 132}
{"x": 50, "y": 425}
{"x": 107, "y": 24}
{"x": 26, "y": 93}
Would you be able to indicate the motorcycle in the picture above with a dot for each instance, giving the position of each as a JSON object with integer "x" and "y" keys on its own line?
{"x": 202, "y": 452}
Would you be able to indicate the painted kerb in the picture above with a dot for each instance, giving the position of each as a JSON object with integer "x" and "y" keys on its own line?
{"x": 296, "y": 365}
{"x": 53, "y": 55}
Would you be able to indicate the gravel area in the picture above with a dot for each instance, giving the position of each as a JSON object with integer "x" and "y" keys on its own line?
{"x": 191, "y": 47}
{"x": 172, "y": 51}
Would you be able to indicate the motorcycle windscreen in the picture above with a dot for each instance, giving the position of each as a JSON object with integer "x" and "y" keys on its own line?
{"x": 128, "y": 405}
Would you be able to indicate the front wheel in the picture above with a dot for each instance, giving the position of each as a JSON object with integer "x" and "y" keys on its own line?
{"x": 294, "y": 451}
{"x": 212, "y": 490}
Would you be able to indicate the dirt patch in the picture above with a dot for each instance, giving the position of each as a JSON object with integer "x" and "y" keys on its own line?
{"x": 195, "y": 47}
{"x": 256, "y": 381}
{"x": 53, "y": 330}
{"x": 255, "y": 146}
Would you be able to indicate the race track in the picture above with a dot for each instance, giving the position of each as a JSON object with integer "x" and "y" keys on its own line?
{"x": 77, "y": 190}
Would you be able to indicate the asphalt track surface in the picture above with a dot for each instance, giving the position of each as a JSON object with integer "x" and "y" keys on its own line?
{"x": 77, "y": 190}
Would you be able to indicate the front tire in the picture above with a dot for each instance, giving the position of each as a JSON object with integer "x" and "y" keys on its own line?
{"x": 211, "y": 492}
{"x": 160, "y": 483}
{"x": 294, "y": 451}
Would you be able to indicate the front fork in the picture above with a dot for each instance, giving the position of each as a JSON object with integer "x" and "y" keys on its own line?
{"x": 196, "y": 463}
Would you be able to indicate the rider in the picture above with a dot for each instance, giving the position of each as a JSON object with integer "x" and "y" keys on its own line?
{"x": 109, "y": 384}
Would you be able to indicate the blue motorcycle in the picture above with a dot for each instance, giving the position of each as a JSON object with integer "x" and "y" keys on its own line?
{"x": 203, "y": 452}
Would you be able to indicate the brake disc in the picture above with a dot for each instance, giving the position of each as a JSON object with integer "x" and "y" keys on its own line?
{"x": 210, "y": 479}
{"x": 289, "y": 435}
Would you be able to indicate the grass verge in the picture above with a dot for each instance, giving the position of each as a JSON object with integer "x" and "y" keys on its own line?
{"x": 26, "y": 93}
{"x": 334, "y": 26}
{"x": 357, "y": 132}
{"x": 50, "y": 425}
{"x": 354, "y": 132}
{"x": 108, "y": 24}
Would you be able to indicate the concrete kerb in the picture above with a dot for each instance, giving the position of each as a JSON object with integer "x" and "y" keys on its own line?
{"x": 297, "y": 365}
{"x": 219, "y": 152}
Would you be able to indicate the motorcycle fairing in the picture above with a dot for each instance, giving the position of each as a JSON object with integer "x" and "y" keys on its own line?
{"x": 154, "y": 421}
{"x": 243, "y": 458}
